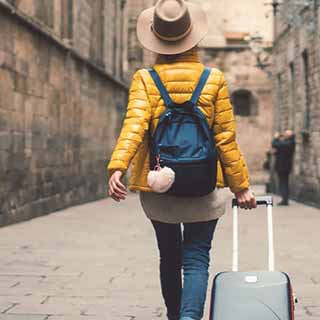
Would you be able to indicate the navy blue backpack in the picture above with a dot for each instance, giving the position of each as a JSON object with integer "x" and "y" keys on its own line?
{"x": 184, "y": 142}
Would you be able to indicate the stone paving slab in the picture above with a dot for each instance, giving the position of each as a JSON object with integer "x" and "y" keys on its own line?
{"x": 76, "y": 318}
{"x": 23, "y": 317}
{"x": 5, "y": 306}
{"x": 99, "y": 261}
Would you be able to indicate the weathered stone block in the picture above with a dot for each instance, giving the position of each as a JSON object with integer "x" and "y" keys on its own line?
{"x": 20, "y": 83}
{"x": 7, "y": 60}
{"x": 38, "y": 141}
{"x": 30, "y": 107}
{"x": 18, "y": 103}
{"x": 4, "y": 120}
{"x": 24, "y": 213}
{"x": 6, "y": 31}
{"x": 17, "y": 165}
{"x": 48, "y": 175}
{"x": 54, "y": 102}
{"x": 5, "y": 140}
{"x": 57, "y": 70}
{"x": 35, "y": 87}
{"x": 18, "y": 121}
{"x": 4, "y": 161}
{"x": 18, "y": 142}
{"x": 37, "y": 208}
{"x": 42, "y": 159}
{"x": 28, "y": 7}
{"x": 22, "y": 67}
{"x": 33, "y": 194}
{"x": 6, "y": 89}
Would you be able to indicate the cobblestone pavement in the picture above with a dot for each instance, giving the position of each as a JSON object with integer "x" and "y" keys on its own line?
{"x": 99, "y": 261}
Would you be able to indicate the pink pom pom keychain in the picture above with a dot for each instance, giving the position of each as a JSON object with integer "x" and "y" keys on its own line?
{"x": 160, "y": 179}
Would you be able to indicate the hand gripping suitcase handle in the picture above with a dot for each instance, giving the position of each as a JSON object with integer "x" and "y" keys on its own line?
{"x": 263, "y": 200}
{"x": 268, "y": 202}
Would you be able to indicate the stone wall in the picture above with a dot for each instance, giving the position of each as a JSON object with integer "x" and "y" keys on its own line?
{"x": 135, "y": 57}
{"x": 60, "y": 109}
{"x": 297, "y": 95}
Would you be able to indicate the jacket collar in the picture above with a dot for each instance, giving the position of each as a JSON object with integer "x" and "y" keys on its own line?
{"x": 188, "y": 56}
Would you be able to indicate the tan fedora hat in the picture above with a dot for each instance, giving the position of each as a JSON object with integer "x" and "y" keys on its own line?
{"x": 172, "y": 27}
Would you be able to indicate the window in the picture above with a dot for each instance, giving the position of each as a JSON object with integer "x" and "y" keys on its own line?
{"x": 236, "y": 38}
{"x": 115, "y": 39}
{"x": 97, "y": 34}
{"x": 242, "y": 101}
{"x": 44, "y": 12}
{"x": 135, "y": 52}
{"x": 292, "y": 95}
{"x": 307, "y": 92}
{"x": 66, "y": 19}
{"x": 122, "y": 39}
{"x": 279, "y": 102}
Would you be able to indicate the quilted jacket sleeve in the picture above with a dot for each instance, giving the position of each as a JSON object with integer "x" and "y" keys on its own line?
{"x": 135, "y": 124}
{"x": 234, "y": 167}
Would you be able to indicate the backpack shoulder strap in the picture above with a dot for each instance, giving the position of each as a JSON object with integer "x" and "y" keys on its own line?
{"x": 202, "y": 81}
{"x": 163, "y": 91}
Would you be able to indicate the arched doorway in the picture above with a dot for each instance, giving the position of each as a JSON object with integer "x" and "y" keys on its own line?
{"x": 244, "y": 103}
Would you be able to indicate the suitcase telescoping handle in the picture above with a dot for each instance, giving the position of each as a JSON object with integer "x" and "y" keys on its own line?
{"x": 268, "y": 202}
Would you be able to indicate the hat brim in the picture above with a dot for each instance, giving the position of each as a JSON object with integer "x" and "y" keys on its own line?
{"x": 151, "y": 42}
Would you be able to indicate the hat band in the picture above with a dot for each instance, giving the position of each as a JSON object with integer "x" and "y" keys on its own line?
{"x": 181, "y": 36}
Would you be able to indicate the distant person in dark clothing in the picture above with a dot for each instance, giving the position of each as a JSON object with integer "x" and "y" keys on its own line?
{"x": 283, "y": 148}
{"x": 267, "y": 166}
{"x": 267, "y": 161}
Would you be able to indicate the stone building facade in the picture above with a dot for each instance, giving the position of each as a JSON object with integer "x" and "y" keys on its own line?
{"x": 134, "y": 56}
{"x": 297, "y": 91}
{"x": 62, "y": 97}
{"x": 226, "y": 47}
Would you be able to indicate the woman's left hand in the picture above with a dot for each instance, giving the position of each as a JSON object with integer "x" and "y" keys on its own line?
{"x": 117, "y": 190}
{"x": 246, "y": 199}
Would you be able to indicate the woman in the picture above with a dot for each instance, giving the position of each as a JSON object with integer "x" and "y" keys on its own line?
{"x": 172, "y": 29}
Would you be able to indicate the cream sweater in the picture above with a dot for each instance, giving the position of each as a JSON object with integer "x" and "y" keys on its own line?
{"x": 171, "y": 209}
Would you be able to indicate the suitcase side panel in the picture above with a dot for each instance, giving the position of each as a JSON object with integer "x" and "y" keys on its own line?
{"x": 236, "y": 293}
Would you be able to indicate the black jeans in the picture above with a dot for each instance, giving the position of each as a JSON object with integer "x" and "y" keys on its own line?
{"x": 189, "y": 251}
{"x": 284, "y": 186}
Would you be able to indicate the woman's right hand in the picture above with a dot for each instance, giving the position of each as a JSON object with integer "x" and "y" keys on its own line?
{"x": 117, "y": 190}
{"x": 246, "y": 199}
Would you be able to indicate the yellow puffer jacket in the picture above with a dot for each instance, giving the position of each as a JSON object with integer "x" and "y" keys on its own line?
{"x": 145, "y": 106}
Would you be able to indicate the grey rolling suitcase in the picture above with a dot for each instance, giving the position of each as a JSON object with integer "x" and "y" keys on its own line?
{"x": 255, "y": 295}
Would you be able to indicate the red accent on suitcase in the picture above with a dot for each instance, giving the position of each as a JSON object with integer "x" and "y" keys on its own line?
{"x": 292, "y": 303}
